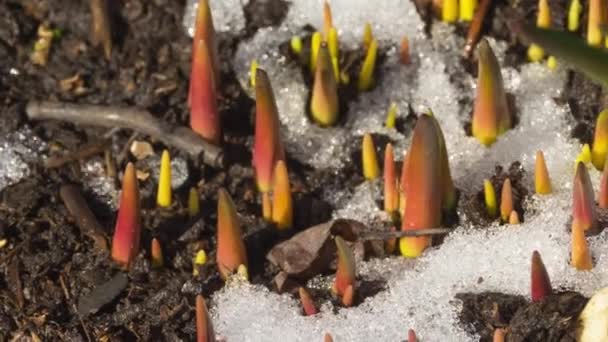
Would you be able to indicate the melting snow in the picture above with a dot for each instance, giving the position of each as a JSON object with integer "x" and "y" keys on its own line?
{"x": 16, "y": 151}
{"x": 420, "y": 293}
{"x": 227, "y": 15}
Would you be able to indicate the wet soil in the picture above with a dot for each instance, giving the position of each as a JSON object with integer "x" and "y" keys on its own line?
{"x": 554, "y": 318}
{"x": 55, "y": 285}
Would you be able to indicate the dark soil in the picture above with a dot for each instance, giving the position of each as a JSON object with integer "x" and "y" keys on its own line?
{"x": 554, "y": 318}
{"x": 55, "y": 285}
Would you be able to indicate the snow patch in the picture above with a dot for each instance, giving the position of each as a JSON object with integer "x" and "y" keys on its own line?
{"x": 17, "y": 150}
{"x": 420, "y": 293}
{"x": 227, "y": 15}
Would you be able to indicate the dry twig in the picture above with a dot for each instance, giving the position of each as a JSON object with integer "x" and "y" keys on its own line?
{"x": 101, "y": 31}
{"x": 84, "y": 217}
{"x": 475, "y": 27}
{"x": 406, "y": 233}
{"x": 136, "y": 119}
{"x": 84, "y": 152}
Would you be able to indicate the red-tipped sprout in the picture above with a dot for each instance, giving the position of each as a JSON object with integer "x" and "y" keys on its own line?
{"x": 411, "y": 336}
{"x": 204, "y": 30}
{"x": 204, "y": 326}
{"x": 583, "y": 204}
{"x": 421, "y": 184}
{"x": 540, "y": 284}
{"x": 267, "y": 148}
{"x": 231, "y": 252}
{"x": 125, "y": 244}
{"x": 308, "y": 303}
{"x": 345, "y": 272}
{"x": 204, "y": 116}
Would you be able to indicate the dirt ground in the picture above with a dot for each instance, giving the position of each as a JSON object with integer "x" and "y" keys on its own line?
{"x": 55, "y": 285}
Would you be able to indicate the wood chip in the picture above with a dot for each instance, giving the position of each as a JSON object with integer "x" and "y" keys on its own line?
{"x": 102, "y": 295}
{"x": 141, "y": 149}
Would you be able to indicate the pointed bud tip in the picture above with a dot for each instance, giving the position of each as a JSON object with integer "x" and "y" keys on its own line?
{"x": 164, "y": 192}
{"x": 542, "y": 182}
{"x": 490, "y": 198}
{"x": 391, "y": 192}
{"x": 371, "y": 169}
{"x": 600, "y": 140}
{"x": 583, "y": 203}
{"x": 506, "y": 200}
{"x": 603, "y": 192}
{"x": 366, "y": 74}
{"x": 156, "y": 253}
{"x": 204, "y": 116}
{"x": 581, "y": 257}
{"x": 346, "y": 269}
{"x": 204, "y": 327}
{"x": 194, "y": 206}
{"x": 282, "y": 207}
{"x": 268, "y": 146}
{"x": 125, "y": 243}
{"x": 540, "y": 284}
{"x": 499, "y": 335}
{"x": 349, "y": 296}
{"x": 308, "y": 304}
{"x": 514, "y": 218}
{"x": 231, "y": 251}
{"x": 411, "y": 336}
{"x": 324, "y": 104}
{"x": 491, "y": 113}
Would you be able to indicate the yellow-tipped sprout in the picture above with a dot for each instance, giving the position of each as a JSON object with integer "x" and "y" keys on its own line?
{"x": 296, "y": 45}
{"x": 327, "y": 19}
{"x": 391, "y": 116}
{"x": 282, "y": 207}
{"x": 595, "y": 22}
{"x": 366, "y": 76}
{"x": 574, "y": 15}
{"x": 600, "y": 141}
{"x": 506, "y": 200}
{"x": 336, "y": 68}
{"x": 449, "y": 11}
{"x": 584, "y": 156}
{"x": 266, "y": 207}
{"x": 194, "y": 203}
{"x": 315, "y": 45}
{"x": 252, "y": 70}
{"x": 368, "y": 36}
{"x": 371, "y": 170}
{"x": 163, "y": 196}
{"x": 543, "y": 20}
{"x": 542, "y": 182}
{"x": 551, "y": 62}
{"x": 333, "y": 42}
{"x": 467, "y": 9}
{"x": 333, "y": 45}
{"x": 199, "y": 260}
{"x": 156, "y": 254}
{"x": 489, "y": 195}
{"x": 242, "y": 272}
{"x": 324, "y": 104}
{"x": 514, "y": 217}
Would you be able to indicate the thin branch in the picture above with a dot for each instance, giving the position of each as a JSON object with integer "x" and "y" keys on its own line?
{"x": 406, "y": 233}
{"x": 136, "y": 119}
{"x": 101, "y": 30}
{"x": 475, "y": 27}
{"x": 66, "y": 293}
{"x": 84, "y": 152}
{"x": 84, "y": 217}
